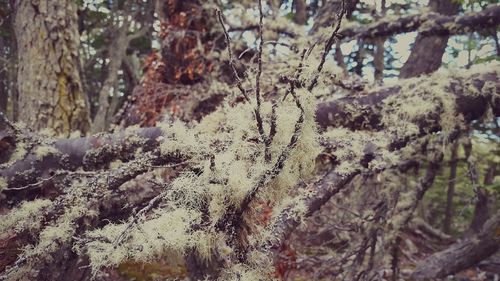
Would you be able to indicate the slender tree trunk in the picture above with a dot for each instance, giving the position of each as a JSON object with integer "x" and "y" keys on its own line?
{"x": 378, "y": 57}
{"x": 4, "y": 87}
{"x": 481, "y": 210}
{"x": 491, "y": 173}
{"x": 448, "y": 215}
{"x": 359, "y": 57}
{"x": 339, "y": 57}
{"x": 497, "y": 44}
{"x": 117, "y": 53}
{"x": 50, "y": 90}
{"x": 300, "y": 7}
{"x": 427, "y": 52}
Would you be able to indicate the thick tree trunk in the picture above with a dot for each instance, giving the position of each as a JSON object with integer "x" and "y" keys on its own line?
{"x": 50, "y": 90}
{"x": 421, "y": 60}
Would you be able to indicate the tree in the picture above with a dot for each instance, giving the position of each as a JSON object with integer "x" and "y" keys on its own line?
{"x": 49, "y": 86}
{"x": 226, "y": 187}
{"x": 420, "y": 61}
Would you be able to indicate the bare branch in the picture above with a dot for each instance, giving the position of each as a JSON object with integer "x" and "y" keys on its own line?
{"x": 231, "y": 58}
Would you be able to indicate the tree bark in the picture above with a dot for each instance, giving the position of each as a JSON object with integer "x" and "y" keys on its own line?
{"x": 462, "y": 255}
{"x": 421, "y": 60}
{"x": 50, "y": 90}
{"x": 116, "y": 55}
{"x": 448, "y": 214}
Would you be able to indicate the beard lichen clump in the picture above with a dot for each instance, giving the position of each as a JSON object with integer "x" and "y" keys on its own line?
{"x": 229, "y": 163}
{"x": 164, "y": 232}
{"x": 27, "y": 216}
{"x": 419, "y": 101}
{"x": 45, "y": 150}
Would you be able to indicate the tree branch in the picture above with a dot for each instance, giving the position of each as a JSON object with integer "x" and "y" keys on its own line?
{"x": 426, "y": 24}
{"x": 462, "y": 255}
{"x": 94, "y": 152}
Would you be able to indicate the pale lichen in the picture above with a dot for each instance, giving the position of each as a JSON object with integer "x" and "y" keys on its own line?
{"x": 45, "y": 150}
{"x": 28, "y": 216}
{"x": 3, "y": 184}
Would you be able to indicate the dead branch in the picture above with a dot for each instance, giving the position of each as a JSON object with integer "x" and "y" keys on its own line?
{"x": 462, "y": 255}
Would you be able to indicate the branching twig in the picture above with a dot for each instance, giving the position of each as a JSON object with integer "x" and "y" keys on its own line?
{"x": 258, "y": 117}
{"x": 328, "y": 46}
{"x": 135, "y": 218}
{"x": 272, "y": 133}
{"x": 231, "y": 58}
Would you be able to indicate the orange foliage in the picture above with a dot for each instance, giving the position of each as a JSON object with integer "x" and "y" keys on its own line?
{"x": 180, "y": 62}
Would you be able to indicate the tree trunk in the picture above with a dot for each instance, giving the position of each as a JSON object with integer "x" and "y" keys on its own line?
{"x": 378, "y": 57}
{"x": 481, "y": 210}
{"x": 4, "y": 87}
{"x": 421, "y": 60}
{"x": 117, "y": 53}
{"x": 300, "y": 7}
{"x": 50, "y": 90}
{"x": 448, "y": 215}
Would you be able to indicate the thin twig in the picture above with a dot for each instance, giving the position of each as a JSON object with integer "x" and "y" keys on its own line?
{"x": 152, "y": 204}
{"x": 258, "y": 117}
{"x": 328, "y": 46}
{"x": 298, "y": 71}
{"x": 272, "y": 133}
{"x": 231, "y": 58}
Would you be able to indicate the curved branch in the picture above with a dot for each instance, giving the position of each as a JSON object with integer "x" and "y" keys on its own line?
{"x": 462, "y": 255}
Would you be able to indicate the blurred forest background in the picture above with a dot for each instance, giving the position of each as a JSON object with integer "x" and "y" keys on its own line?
{"x": 136, "y": 63}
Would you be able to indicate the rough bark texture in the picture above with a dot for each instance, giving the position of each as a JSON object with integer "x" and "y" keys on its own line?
{"x": 50, "y": 90}
{"x": 421, "y": 60}
{"x": 462, "y": 255}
